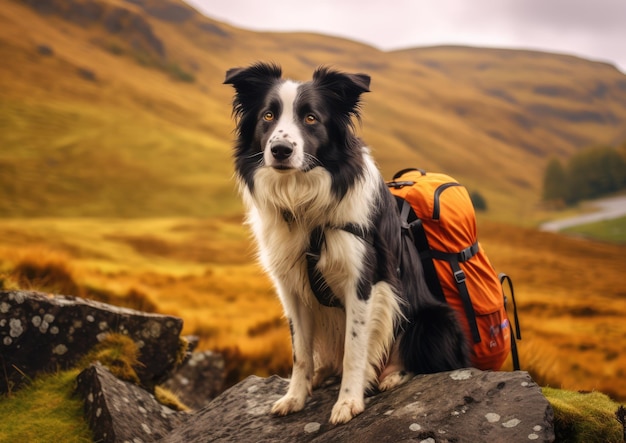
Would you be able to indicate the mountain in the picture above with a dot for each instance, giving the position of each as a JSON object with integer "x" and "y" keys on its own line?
{"x": 116, "y": 108}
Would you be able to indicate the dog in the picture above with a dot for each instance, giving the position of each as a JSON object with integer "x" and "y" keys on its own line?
{"x": 329, "y": 236}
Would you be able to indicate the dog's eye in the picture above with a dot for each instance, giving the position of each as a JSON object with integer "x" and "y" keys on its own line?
{"x": 310, "y": 119}
{"x": 268, "y": 116}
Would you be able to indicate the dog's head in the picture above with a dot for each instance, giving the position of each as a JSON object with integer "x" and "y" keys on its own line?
{"x": 289, "y": 125}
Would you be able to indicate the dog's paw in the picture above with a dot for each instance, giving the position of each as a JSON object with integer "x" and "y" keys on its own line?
{"x": 345, "y": 410}
{"x": 287, "y": 405}
{"x": 394, "y": 379}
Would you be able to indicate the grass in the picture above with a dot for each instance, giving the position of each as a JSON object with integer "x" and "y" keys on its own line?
{"x": 584, "y": 417}
{"x": 609, "y": 230}
{"x": 571, "y": 303}
{"x": 117, "y": 352}
{"x": 569, "y": 291}
{"x": 123, "y": 159}
{"x": 55, "y": 412}
{"x": 200, "y": 270}
{"x": 52, "y": 410}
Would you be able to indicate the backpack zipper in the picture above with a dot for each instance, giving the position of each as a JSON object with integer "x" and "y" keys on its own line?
{"x": 438, "y": 191}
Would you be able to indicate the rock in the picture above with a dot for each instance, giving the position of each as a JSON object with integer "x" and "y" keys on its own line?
{"x": 461, "y": 406}
{"x": 119, "y": 411}
{"x": 40, "y": 333}
{"x": 87, "y": 74}
{"x": 45, "y": 50}
{"x": 199, "y": 381}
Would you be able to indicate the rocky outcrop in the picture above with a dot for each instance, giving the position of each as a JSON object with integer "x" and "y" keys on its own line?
{"x": 40, "y": 333}
{"x": 118, "y": 411}
{"x": 200, "y": 380}
{"x": 462, "y": 406}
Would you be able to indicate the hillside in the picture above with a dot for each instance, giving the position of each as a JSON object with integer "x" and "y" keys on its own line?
{"x": 116, "y": 108}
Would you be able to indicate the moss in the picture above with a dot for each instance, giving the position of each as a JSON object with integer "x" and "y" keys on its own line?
{"x": 117, "y": 352}
{"x": 45, "y": 410}
{"x": 120, "y": 354}
{"x": 169, "y": 399}
{"x": 584, "y": 417}
{"x": 182, "y": 352}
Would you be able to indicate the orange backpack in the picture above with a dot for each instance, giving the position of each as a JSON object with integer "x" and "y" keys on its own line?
{"x": 438, "y": 214}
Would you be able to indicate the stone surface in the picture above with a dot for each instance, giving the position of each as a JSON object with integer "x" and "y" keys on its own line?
{"x": 462, "y": 406}
{"x": 119, "y": 411}
{"x": 200, "y": 380}
{"x": 41, "y": 333}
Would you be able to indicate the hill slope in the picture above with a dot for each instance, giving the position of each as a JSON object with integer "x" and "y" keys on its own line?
{"x": 113, "y": 107}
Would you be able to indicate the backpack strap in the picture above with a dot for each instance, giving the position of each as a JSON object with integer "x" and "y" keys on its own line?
{"x": 413, "y": 227}
{"x": 404, "y": 171}
{"x": 455, "y": 259}
{"x": 515, "y": 355}
{"x": 416, "y": 230}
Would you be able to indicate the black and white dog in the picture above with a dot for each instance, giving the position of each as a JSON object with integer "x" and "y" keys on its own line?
{"x": 324, "y": 219}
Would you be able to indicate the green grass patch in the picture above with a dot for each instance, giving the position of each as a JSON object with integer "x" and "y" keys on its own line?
{"x": 46, "y": 410}
{"x": 613, "y": 231}
{"x": 584, "y": 417}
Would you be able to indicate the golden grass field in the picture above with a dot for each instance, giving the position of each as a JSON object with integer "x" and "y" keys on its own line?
{"x": 569, "y": 291}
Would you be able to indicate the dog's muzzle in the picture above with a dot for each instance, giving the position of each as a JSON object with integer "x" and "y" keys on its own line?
{"x": 281, "y": 153}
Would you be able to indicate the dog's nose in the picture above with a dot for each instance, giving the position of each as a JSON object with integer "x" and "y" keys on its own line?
{"x": 281, "y": 151}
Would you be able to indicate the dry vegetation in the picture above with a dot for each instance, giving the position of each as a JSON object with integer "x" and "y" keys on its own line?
{"x": 115, "y": 173}
{"x": 571, "y": 304}
{"x": 569, "y": 291}
{"x": 200, "y": 270}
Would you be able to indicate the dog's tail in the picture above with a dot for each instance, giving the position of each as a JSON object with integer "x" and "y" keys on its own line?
{"x": 433, "y": 341}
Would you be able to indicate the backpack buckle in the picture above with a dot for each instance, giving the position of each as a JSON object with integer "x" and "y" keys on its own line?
{"x": 468, "y": 252}
{"x": 459, "y": 276}
{"x": 399, "y": 185}
{"x": 465, "y": 255}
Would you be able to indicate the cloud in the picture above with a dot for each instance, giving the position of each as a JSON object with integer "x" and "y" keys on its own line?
{"x": 595, "y": 30}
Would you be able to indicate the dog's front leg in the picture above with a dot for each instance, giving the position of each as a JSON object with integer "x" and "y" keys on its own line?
{"x": 300, "y": 385}
{"x": 351, "y": 402}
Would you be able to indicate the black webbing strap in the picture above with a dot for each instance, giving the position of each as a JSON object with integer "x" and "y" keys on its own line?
{"x": 319, "y": 286}
{"x": 404, "y": 213}
{"x": 514, "y": 353}
{"x": 460, "y": 257}
{"x": 413, "y": 227}
{"x": 454, "y": 259}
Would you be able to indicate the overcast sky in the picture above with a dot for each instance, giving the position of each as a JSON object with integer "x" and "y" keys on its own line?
{"x": 593, "y": 29}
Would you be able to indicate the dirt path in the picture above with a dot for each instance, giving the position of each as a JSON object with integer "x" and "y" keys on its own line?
{"x": 607, "y": 208}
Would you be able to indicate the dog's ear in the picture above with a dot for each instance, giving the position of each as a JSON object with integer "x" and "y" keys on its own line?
{"x": 250, "y": 84}
{"x": 345, "y": 89}
{"x": 253, "y": 79}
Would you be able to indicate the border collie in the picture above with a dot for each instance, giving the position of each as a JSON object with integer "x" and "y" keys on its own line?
{"x": 326, "y": 223}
